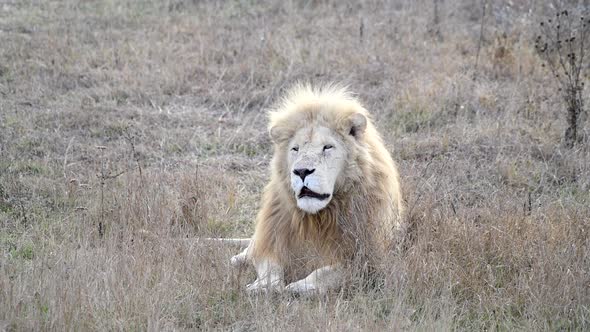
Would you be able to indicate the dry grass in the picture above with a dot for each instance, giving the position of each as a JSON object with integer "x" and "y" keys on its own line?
{"x": 147, "y": 117}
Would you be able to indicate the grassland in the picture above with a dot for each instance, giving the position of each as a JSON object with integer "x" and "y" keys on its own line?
{"x": 127, "y": 126}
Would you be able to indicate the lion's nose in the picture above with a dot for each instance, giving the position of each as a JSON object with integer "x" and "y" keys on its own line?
{"x": 303, "y": 172}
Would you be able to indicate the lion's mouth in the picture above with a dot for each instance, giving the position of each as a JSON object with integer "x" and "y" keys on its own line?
{"x": 306, "y": 192}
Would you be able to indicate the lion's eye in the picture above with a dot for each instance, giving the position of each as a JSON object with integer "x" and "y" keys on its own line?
{"x": 295, "y": 148}
{"x": 328, "y": 147}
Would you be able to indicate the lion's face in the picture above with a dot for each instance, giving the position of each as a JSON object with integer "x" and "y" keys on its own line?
{"x": 316, "y": 158}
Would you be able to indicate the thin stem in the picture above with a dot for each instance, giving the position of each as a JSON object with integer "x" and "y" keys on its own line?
{"x": 483, "y": 15}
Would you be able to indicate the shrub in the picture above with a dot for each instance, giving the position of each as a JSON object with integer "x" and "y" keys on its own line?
{"x": 562, "y": 46}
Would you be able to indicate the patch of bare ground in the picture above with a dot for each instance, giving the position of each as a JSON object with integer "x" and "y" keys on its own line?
{"x": 127, "y": 127}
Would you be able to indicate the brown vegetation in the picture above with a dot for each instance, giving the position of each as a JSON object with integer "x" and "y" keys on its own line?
{"x": 148, "y": 118}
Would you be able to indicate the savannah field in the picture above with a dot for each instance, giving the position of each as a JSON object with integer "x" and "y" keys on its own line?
{"x": 129, "y": 128}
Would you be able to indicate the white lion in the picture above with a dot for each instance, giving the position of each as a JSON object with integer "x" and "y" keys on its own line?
{"x": 333, "y": 195}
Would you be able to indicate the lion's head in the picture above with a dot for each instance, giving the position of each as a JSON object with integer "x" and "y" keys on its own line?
{"x": 314, "y": 143}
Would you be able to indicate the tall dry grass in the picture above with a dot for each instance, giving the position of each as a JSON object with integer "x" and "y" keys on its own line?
{"x": 148, "y": 118}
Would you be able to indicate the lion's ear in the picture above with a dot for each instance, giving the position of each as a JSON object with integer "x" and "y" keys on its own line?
{"x": 357, "y": 124}
{"x": 277, "y": 134}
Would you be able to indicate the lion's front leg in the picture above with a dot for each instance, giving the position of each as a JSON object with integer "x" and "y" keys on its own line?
{"x": 270, "y": 277}
{"x": 320, "y": 281}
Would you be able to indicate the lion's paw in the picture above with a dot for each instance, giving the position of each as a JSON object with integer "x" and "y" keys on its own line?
{"x": 264, "y": 286}
{"x": 302, "y": 288}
